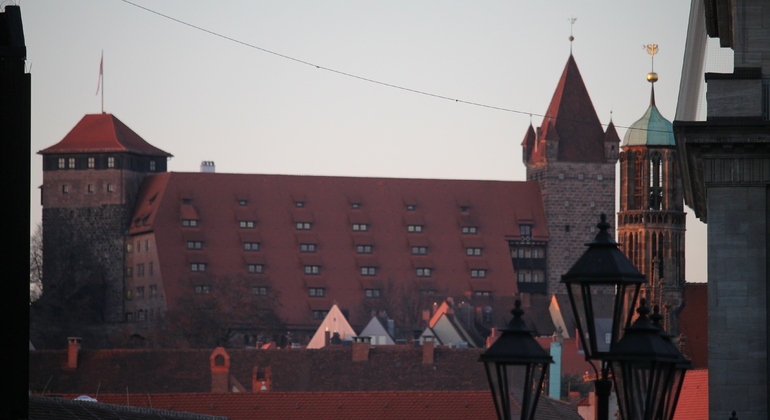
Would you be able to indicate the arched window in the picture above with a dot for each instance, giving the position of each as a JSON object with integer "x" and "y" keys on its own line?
{"x": 656, "y": 182}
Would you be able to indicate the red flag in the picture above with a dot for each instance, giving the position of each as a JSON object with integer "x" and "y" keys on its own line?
{"x": 101, "y": 72}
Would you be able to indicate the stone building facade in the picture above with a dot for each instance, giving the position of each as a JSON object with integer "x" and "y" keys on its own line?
{"x": 725, "y": 163}
{"x": 573, "y": 158}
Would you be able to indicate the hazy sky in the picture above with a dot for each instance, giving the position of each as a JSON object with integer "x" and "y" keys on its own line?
{"x": 202, "y": 97}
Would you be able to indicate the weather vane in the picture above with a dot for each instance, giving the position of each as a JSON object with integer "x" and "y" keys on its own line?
{"x": 652, "y": 49}
{"x": 571, "y": 38}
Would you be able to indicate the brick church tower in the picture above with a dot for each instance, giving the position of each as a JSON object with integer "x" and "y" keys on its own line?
{"x": 651, "y": 220}
{"x": 573, "y": 158}
{"x": 90, "y": 182}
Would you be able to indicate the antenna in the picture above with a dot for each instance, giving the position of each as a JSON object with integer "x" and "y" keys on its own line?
{"x": 571, "y": 38}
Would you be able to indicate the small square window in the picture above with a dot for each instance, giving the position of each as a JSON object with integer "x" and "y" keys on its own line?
{"x": 470, "y": 230}
{"x": 71, "y": 163}
{"x": 423, "y": 272}
{"x": 312, "y": 269}
{"x": 255, "y": 268}
{"x": 424, "y": 293}
{"x": 189, "y": 222}
{"x": 251, "y": 246}
{"x": 360, "y": 227}
{"x": 152, "y": 165}
{"x": 129, "y": 271}
{"x": 110, "y": 188}
{"x": 410, "y": 207}
{"x": 414, "y": 228}
{"x": 90, "y": 188}
{"x": 65, "y": 189}
{"x": 153, "y": 291}
{"x": 259, "y": 290}
{"x": 478, "y": 274}
{"x": 364, "y": 249}
{"x": 202, "y": 290}
{"x": 464, "y": 209}
{"x": 319, "y": 314}
{"x": 307, "y": 247}
{"x": 316, "y": 292}
{"x": 198, "y": 267}
{"x": 419, "y": 250}
{"x": 247, "y": 224}
{"x": 356, "y": 206}
{"x": 91, "y": 163}
{"x": 372, "y": 293}
{"x": 194, "y": 245}
{"x": 129, "y": 247}
{"x": 303, "y": 226}
{"x": 561, "y": 176}
{"x": 129, "y": 295}
{"x": 110, "y": 162}
{"x": 483, "y": 293}
{"x": 61, "y": 163}
{"x": 299, "y": 204}
{"x": 473, "y": 252}
{"x": 593, "y": 204}
{"x": 599, "y": 177}
{"x": 368, "y": 271}
{"x": 243, "y": 203}
{"x": 580, "y": 177}
{"x": 566, "y": 203}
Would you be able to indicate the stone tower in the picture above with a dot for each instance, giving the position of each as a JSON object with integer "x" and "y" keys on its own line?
{"x": 573, "y": 158}
{"x": 90, "y": 182}
{"x": 651, "y": 220}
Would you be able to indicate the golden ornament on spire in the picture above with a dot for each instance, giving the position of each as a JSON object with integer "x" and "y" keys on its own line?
{"x": 652, "y": 49}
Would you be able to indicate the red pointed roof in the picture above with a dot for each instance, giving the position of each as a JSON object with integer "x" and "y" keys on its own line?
{"x": 103, "y": 133}
{"x": 611, "y": 135}
{"x": 573, "y": 117}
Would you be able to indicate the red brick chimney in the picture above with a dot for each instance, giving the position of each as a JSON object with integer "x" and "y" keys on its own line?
{"x": 73, "y": 348}
{"x": 427, "y": 349}
{"x": 220, "y": 370}
{"x": 263, "y": 382}
{"x": 361, "y": 348}
{"x": 327, "y": 338}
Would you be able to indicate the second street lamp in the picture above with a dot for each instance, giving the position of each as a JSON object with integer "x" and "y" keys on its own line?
{"x": 516, "y": 366}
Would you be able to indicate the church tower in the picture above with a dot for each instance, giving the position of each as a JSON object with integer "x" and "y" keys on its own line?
{"x": 90, "y": 182}
{"x": 573, "y": 158}
{"x": 651, "y": 220}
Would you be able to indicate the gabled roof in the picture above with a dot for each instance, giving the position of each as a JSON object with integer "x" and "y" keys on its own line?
{"x": 571, "y": 119}
{"x": 335, "y": 322}
{"x": 377, "y": 328}
{"x": 611, "y": 134}
{"x": 103, "y": 133}
{"x": 693, "y": 324}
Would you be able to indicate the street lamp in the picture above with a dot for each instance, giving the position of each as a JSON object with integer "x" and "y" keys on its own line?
{"x": 603, "y": 286}
{"x": 682, "y": 366}
{"x": 513, "y": 356}
{"x": 644, "y": 366}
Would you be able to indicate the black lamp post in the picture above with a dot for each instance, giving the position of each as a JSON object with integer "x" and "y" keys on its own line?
{"x": 603, "y": 286}
{"x": 645, "y": 369}
{"x": 681, "y": 367}
{"x": 516, "y": 364}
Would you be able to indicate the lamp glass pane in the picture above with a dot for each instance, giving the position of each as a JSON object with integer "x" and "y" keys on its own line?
{"x": 516, "y": 388}
{"x": 641, "y": 387}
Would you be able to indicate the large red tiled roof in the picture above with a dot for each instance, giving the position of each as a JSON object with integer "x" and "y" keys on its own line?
{"x": 571, "y": 120}
{"x": 496, "y": 208}
{"x": 693, "y": 324}
{"x": 103, "y": 133}
{"x": 694, "y": 398}
{"x": 404, "y": 405}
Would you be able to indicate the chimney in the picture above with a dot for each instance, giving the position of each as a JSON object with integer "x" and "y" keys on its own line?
{"x": 427, "y": 349}
{"x": 220, "y": 370}
{"x": 72, "y": 352}
{"x": 263, "y": 382}
{"x": 361, "y": 348}
{"x": 207, "y": 166}
{"x": 327, "y": 338}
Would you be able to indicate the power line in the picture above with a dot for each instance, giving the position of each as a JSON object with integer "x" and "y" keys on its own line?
{"x": 365, "y": 79}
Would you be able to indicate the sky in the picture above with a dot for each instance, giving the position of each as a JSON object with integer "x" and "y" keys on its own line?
{"x": 260, "y": 98}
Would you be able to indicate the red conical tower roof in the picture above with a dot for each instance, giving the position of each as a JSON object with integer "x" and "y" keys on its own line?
{"x": 572, "y": 115}
{"x": 103, "y": 133}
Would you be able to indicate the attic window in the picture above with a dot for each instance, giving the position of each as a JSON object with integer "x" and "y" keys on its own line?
{"x": 470, "y": 230}
{"x": 198, "y": 267}
{"x": 189, "y": 222}
{"x": 91, "y": 163}
{"x": 299, "y": 204}
{"x": 414, "y": 228}
{"x": 473, "y": 252}
{"x": 479, "y": 274}
{"x": 316, "y": 292}
{"x": 152, "y": 165}
{"x": 247, "y": 224}
{"x": 307, "y": 247}
{"x": 71, "y": 163}
{"x": 243, "y": 203}
{"x": 428, "y": 292}
{"x": 202, "y": 290}
{"x": 410, "y": 207}
{"x": 312, "y": 269}
{"x": 368, "y": 271}
{"x": 259, "y": 290}
{"x": 110, "y": 162}
{"x": 372, "y": 293}
{"x": 423, "y": 272}
{"x": 320, "y": 314}
{"x": 419, "y": 250}
{"x": 526, "y": 232}
{"x": 356, "y": 206}
{"x": 364, "y": 249}
{"x": 255, "y": 268}
{"x": 251, "y": 246}
{"x": 194, "y": 245}
{"x": 483, "y": 293}
{"x": 303, "y": 226}
{"x": 61, "y": 163}
{"x": 464, "y": 209}
{"x": 360, "y": 227}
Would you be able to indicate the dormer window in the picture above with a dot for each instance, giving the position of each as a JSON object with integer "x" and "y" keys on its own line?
{"x": 423, "y": 272}
{"x": 61, "y": 163}
{"x": 360, "y": 227}
{"x": 419, "y": 250}
{"x": 478, "y": 274}
{"x": 364, "y": 249}
{"x": 189, "y": 222}
{"x": 356, "y": 206}
{"x": 152, "y": 165}
{"x": 312, "y": 270}
{"x": 303, "y": 225}
{"x": 299, "y": 204}
{"x": 368, "y": 271}
{"x": 473, "y": 252}
{"x": 464, "y": 209}
{"x": 307, "y": 248}
{"x": 71, "y": 163}
{"x": 470, "y": 230}
{"x": 526, "y": 232}
{"x": 414, "y": 228}
{"x": 410, "y": 207}
{"x": 91, "y": 163}
{"x": 195, "y": 245}
{"x": 110, "y": 162}
{"x": 247, "y": 224}
{"x": 255, "y": 268}
{"x": 243, "y": 203}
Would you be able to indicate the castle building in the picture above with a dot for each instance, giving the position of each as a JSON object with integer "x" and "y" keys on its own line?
{"x": 651, "y": 220}
{"x": 573, "y": 159}
{"x": 141, "y": 243}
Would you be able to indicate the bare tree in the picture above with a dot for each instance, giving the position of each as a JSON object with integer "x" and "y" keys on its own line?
{"x": 36, "y": 264}
{"x": 222, "y": 309}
